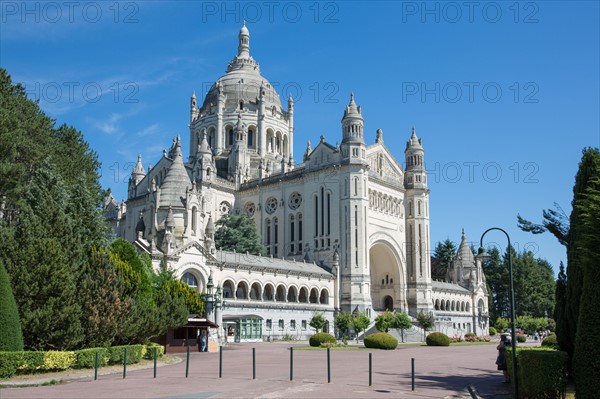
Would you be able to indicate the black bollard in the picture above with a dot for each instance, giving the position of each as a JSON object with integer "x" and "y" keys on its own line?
{"x": 328, "y": 365}
{"x": 291, "y": 363}
{"x": 220, "y": 361}
{"x": 155, "y": 356}
{"x": 253, "y": 363}
{"x": 412, "y": 378}
{"x": 124, "y": 362}
{"x": 96, "y": 368}
{"x": 370, "y": 369}
{"x": 187, "y": 361}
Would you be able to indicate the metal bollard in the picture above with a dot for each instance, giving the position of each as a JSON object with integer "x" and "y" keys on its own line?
{"x": 124, "y": 362}
{"x": 291, "y": 363}
{"x": 96, "y": 368}
{"x": 328, "y": 365}
{"x": 412, "y": 367}
{"x": 220, "y": 361}
{"x": 370, "y": 369}
{"x": 253, "y": 363}
{"x": 155, "y": 356}
{"x": 187, "y": 362}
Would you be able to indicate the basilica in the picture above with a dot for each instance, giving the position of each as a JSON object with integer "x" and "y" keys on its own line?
{"x": 345, "y": 229}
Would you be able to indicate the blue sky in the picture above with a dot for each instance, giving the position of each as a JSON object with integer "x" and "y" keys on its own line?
{"x": 505, "y": 95}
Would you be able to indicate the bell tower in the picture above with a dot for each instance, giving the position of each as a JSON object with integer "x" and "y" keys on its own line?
{"x": 417, "y": 228}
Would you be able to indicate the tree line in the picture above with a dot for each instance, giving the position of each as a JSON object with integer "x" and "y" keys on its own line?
{"x": 577, "y": 310}
{"x": 73, "y": 287}
{"x": 533, "y": 280}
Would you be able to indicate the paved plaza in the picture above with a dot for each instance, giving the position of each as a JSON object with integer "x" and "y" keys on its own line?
{"x": 441, "y": 372}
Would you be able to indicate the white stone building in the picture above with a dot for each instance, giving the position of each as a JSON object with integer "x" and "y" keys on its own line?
{"x": 345, "y": 229}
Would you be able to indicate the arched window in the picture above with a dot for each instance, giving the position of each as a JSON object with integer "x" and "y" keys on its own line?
{"x": 280, "y": 296}
{"x": 292, "y": 295}
{"x": 242, "y": 291}
{"x": 241, "y": 105}
{"x": 190, "y": 280}
{"x": 314, "y": 296}
{"x": 324, "y": 297}
{"x": 228, "y": 289}
{"x": 255, "y": 292}
{"x": 250, "y": 138}
{"x": 303, "y": 297}
{"x": 230, "y": 137}
{"x": 194, "y": 220}
{"x": 268, "y": 292}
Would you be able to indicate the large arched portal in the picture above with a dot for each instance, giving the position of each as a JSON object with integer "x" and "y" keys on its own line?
{"x": 387, "y": 284}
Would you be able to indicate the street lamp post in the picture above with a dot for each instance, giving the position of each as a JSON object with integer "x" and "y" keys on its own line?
{"x": 484, "y": 255}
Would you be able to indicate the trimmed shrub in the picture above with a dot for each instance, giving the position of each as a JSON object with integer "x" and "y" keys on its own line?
{"x": 58, "y": 360}
{"x": 30, "y": 361}
{"x": 493, "y": 331}
{"x": 521, "y": 338}
{"x": 550, "y": 342}
{"x": 9, "y": 362}
{"x": 86, "y": 358}
{"x": 381, "y": 340}
{"x": 438, "y": 339}
{"x": 319, "y": 338}
{"x": 542, "y": 372}
{"x": 11, "y": 336}
{"x": 116, "y": 354}
{"x": 149, "y": 351}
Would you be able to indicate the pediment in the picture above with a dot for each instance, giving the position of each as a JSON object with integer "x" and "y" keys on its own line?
{"x": 382, "y": 163}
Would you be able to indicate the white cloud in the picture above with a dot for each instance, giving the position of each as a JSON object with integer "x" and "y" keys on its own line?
{"x": 149, "y": 130}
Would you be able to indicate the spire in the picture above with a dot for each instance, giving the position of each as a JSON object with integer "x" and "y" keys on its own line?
{"x": 139, "y": 168}
{"x": 352, "y": 123}
{"x": 177, "y": 179}
{"x": 414, "y": 141}
{"x": 204, "y": 148}
{"x": 244, "y": 42}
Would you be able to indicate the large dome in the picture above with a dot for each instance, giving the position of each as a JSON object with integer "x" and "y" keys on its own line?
{"x": 243, "y": 81}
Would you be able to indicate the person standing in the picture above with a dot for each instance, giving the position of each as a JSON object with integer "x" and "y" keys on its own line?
{"x": 203, "y": 341}
{"x": 501, "y": 359}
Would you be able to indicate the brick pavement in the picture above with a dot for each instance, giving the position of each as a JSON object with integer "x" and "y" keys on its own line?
{"x": 441, "y": 372}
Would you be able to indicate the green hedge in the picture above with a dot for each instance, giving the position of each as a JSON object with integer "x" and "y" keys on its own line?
{"x": 542, "y": 372}
{"x": 116, "y": 354}
{"x": 438, "y": 339}
{"x": 550, "y": 342}
{"x": 521, "y": 338}
{"x": 493, "y": 331}
{"x": 319, "y": 338}
{"x": 27, "y": 362}
{"x": 9, "y": 362}
{"x": 148, "y": 352}
{"x": 381, "y": 340}
{"x": 58, "y": 360}
{"x": 86, "y": 358}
